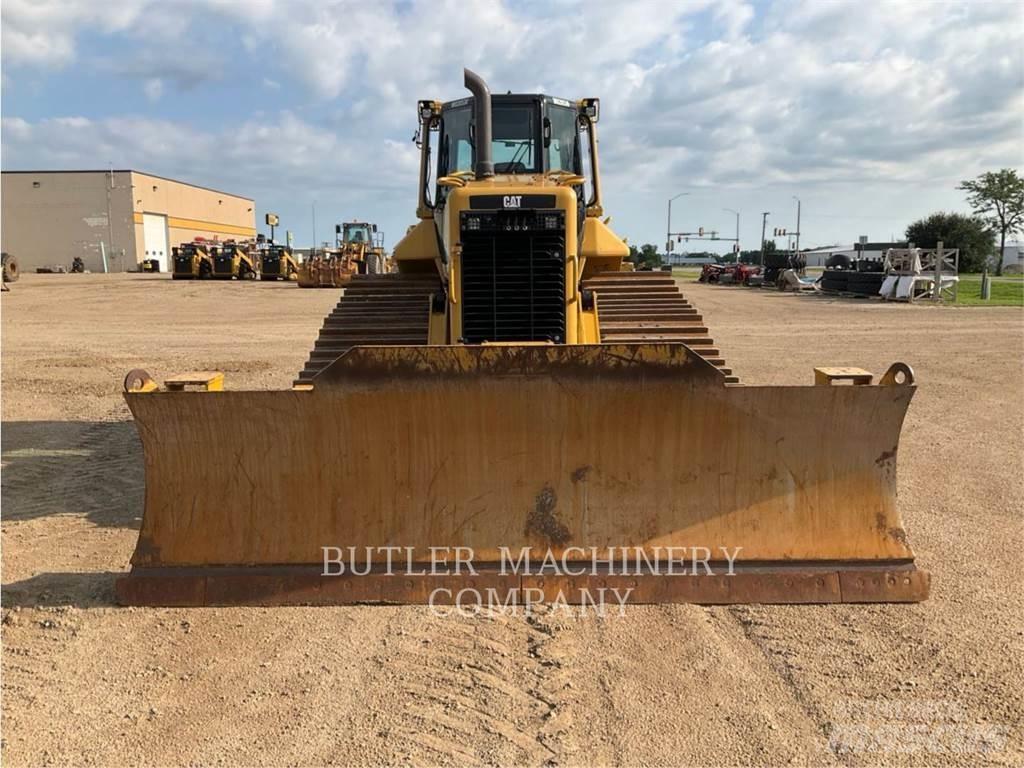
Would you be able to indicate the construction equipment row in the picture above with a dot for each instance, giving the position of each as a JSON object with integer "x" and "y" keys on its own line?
{"x": 510, "y": 387}
{"x": 223, "y": 260}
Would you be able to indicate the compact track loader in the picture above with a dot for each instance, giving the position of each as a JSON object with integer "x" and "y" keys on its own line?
{"x": 231, "y": 259}
{"x": 511, "y": 389}
{"x": 191, "y": 261}
{"x": 277, "y": 263}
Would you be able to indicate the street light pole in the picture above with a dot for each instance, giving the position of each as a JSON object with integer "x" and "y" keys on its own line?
{"x": 730, "y": 210}
{"x": 764, "y": 223}
{"x": 668, "y": 222}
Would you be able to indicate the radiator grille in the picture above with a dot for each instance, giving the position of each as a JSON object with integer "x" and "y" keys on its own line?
{"x": 513, "y": 276}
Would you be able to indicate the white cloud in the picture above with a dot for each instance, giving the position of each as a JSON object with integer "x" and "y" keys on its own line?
{"x": 42, "y": 32}
{"x": 153, "y": 88}
{"x": 836, "y": 99}
{"x": 15, "y": 129}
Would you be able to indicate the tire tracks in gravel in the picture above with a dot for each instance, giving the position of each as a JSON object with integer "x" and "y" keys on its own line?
{"x": 783, "y": 659}
{"x": 481, "y": 690}
{"x": 93, "y": 469}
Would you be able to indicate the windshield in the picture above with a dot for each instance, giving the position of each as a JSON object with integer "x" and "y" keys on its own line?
{"x": 513, "y": 141}
{"x": 356, "y": 233}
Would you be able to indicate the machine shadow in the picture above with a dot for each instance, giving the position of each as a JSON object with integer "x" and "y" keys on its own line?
{"x": 44, "y": 590}
{"x": 93, "y": 469}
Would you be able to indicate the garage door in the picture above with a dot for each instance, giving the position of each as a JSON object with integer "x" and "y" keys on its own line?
{"x": 154, "y": 232}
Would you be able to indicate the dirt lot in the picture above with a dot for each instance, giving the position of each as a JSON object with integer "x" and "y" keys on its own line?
{"x": 85, "y": 682}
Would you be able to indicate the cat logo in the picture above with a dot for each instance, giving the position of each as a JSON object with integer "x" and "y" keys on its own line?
{"x": 512, "y": 201}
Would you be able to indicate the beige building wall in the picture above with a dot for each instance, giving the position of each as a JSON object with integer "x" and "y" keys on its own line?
{"x": 49, "y": 217}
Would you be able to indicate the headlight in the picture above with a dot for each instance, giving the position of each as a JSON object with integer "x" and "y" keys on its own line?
{"x": 473, "y": 222}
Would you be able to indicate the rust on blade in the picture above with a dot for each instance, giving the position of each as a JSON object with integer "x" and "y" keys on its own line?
{"x": 306, "y": 585}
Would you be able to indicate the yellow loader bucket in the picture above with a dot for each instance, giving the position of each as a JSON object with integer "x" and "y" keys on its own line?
{"x": 636, "y": 463}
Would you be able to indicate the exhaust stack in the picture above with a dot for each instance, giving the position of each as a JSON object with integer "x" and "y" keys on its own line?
{"x": 482, "y": 117}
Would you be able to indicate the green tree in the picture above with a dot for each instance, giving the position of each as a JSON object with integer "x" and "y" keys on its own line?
{"x": 769, "y": 249}
{"x": 998, "y": 197}
{"x": 645, "y": 256}
{"x": 971, "y": 234}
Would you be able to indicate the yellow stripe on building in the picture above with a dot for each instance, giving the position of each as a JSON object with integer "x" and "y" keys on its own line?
{"x": 208, "y": 226}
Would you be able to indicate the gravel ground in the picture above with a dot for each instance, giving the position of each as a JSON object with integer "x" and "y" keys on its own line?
{"x": 86, "y": 682}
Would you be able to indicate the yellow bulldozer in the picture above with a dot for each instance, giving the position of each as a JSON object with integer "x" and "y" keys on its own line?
{"x": 510, "y": 390}
{"x": 232, "y": 259}
{"x": 191, "y": 261}
{"x": 355, "y": 253}
{"x": 278, "y": 263}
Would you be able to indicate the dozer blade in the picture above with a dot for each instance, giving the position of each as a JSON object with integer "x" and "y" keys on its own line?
{"x": 566, "y": 450}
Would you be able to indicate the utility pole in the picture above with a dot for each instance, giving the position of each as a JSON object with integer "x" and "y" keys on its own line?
{"x": 314, "y": 226}
{"x": 797, "y": 223}
{"x": 668, "y": 223}
{"x": 764, "y": 223}
{"x": 737, "y": 213}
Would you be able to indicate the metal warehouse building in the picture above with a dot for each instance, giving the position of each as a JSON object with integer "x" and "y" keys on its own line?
{"x": 112, "y": 219}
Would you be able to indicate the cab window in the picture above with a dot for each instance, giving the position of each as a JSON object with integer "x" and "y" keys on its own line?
{"x": 514, "y": 138}
{"x": 563, "y": 149}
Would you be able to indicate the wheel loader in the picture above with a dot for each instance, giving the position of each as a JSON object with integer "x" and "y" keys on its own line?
{"x": 318, "y": 269}
{"x": 354, "y": 254}
{"x": 231, "y": 259}
{"x": 277, "y": 263}
{"x": 511, "y": 393}
{"x": 191, "y": 261}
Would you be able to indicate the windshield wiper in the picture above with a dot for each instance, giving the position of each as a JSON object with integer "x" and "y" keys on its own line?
{"x": 510, "y": 166}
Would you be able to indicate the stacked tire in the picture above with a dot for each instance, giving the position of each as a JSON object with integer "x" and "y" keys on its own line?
{"x": 836, "y": 280}
{"x": 852, "y": 281}
{"x": 865, "y": 283}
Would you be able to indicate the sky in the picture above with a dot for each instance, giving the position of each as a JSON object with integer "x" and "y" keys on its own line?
{"x": 870, "y": 113}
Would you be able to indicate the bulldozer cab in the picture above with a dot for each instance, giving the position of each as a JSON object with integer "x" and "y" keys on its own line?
{"x": 514, "y": 176}
{"x": 532, "y": 134}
